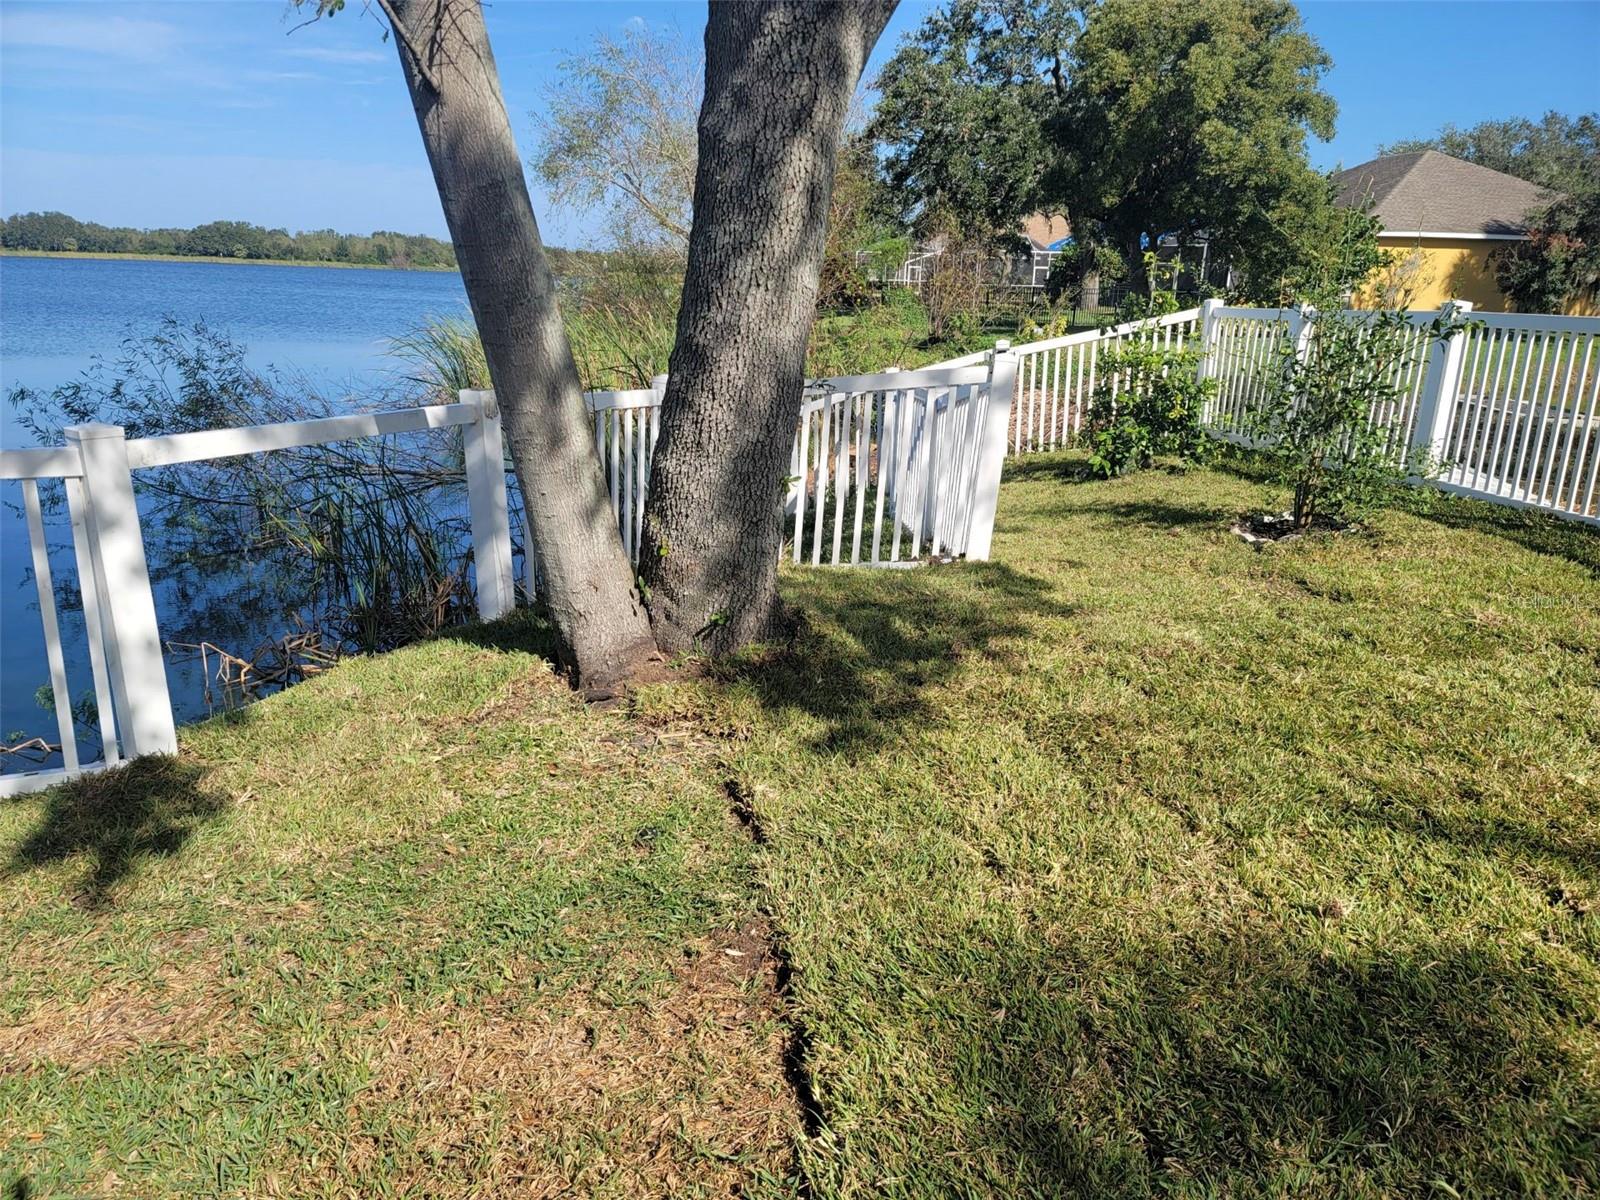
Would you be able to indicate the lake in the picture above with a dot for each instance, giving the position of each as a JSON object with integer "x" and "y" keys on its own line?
{"x": 56, "y": 315}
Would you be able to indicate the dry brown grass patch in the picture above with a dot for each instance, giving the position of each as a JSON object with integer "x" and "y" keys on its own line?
{"x": 685, "y": 1094}
{"x": 183, "y": 1006}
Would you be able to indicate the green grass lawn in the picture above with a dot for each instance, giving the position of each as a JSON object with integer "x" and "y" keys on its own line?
{"x": 1135, "y": 862}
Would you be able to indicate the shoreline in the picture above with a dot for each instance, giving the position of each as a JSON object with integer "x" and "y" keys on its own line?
{"x": 118, "y": 256}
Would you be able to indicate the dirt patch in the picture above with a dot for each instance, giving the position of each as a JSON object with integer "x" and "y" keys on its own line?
{"x": 686, "y": 1093}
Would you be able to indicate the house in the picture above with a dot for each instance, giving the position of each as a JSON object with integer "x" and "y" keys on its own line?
{"x": 1443, "y": 218}
{"x": 1046, "y": 234}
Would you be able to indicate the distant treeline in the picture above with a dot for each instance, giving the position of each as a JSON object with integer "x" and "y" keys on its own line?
{"x": 225, "y": 239}
{"x": 53, "y": 231}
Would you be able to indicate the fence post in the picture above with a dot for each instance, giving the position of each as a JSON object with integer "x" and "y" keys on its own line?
{"x": 1299, "y": 329}
{"x": 1208, "y": 334}
{"x": 116, "y": 546}
{"x": 991, "y": 456}
{"x": 1436, "y": 404}
{"x": 658, "y": 384}
{"x": 1001, "y": 345}
{"x": 485, "y": 454}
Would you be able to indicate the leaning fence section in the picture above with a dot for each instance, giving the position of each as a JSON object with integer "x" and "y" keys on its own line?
{"x": 883, "y": 469}
{"x": 626, "y": 426}
{"x": 898, "y": 466}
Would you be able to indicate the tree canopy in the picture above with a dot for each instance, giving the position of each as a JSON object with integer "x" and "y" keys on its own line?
{"x": 959, "y": 111}
{"x": 1560, "y": 261}
{"x": 226, "y": 239}
{"x": 1135, "y": 118}
{"x": 617, "y": 129}
{"x": 1193, "y": 117}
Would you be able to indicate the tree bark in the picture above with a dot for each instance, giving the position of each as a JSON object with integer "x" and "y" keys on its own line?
{"x": 779, "y": 77}
{"x": 602, "y": 629}
{"x": 1091, "y": 291}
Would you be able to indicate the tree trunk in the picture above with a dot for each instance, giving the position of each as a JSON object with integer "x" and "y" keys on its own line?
{"x": 779, "y": 77}
{"x": 602, "y": 629}
{"x": 1091, "y": 291}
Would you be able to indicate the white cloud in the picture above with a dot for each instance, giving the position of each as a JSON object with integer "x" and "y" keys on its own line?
{"x": 115, "y": 36}
{"x": 335, "y": 54}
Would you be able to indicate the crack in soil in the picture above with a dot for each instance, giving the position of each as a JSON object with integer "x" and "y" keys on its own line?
{"x": 797, "y": 1049}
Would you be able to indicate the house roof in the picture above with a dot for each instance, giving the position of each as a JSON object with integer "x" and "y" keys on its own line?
{"x": 1430, "y": 192}
{"x": 1045, "y": 230}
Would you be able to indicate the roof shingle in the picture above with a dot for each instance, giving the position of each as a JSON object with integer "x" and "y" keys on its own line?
{"x": 1430, "y": 192}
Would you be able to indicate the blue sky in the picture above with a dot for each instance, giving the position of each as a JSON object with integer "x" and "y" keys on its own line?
{"x": 174, "y": 113}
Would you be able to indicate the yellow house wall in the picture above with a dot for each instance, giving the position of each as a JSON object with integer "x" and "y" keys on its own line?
{"x": 1433, "y": 270}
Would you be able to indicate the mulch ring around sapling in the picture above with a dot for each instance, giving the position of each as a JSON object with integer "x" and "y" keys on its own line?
{"x": 1263, "y": 529}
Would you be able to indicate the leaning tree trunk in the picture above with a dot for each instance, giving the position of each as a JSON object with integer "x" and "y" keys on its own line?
{"x": 602, "y": 630}
{"x": 779, "y": 77}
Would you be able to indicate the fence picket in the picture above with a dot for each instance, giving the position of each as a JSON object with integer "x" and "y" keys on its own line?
{"x": 44, "y": 587}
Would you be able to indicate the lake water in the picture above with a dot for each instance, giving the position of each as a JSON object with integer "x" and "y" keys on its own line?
{"x": 333, "y": 325}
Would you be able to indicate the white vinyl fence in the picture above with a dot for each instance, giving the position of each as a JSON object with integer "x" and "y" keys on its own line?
{"x": 1509, "y": 407}
{"x": 883, "y": 469}
{"x": 918, "y": 453}
{"x": 1057, "y": 377}
{"x": 124, "y": 643}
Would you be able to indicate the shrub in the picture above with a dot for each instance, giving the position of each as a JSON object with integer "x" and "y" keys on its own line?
{"x": 1148, "y": 402}
{"x": 1322, "y": 427}
{"x": 1318, "y": 429}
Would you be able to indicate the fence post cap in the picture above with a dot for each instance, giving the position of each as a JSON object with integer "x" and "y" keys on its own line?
{"x": 1457, "y": 305}
{"x": 94, "y": 430}
{"x": 1001, "y": 345}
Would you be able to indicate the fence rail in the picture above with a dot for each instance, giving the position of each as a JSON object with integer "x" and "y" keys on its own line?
{"x": 885, "y": 468}
{"x": 1508, "y": 409}
{"x": 134, "y": 707}
{"x": 1057, "y": 377}
{"x": 919, "y": 452}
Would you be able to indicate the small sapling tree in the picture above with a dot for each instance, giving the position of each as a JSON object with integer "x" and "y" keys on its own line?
{"x": 1327, "y": 429}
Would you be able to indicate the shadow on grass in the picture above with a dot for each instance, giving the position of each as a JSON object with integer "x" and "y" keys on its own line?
{"x": 1541, "y": 532}
{"x": 1234, "y": 1062}
{"x": 1567, "y": 840}
{"x": 526, "y": 630}
{"x": 874, "y": 642}
{"x": 1054, "y": 467}
{"x": 120, "y": 818}
{"x": 1158, "y": 515}
{"x": 1560, "y": 537}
